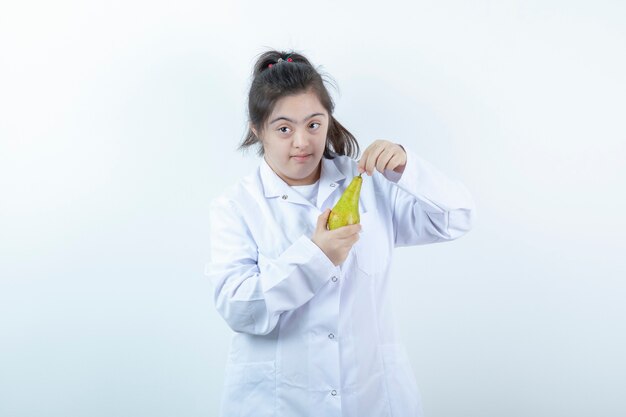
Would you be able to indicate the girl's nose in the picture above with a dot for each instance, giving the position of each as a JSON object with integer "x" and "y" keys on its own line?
{"x": 300, "y": 139}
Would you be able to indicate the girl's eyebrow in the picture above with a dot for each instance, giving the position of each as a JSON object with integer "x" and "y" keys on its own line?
{"x": 289, "y": 120}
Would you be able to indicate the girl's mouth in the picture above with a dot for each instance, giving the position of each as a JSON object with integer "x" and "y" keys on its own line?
{"x": 301, "y": 158}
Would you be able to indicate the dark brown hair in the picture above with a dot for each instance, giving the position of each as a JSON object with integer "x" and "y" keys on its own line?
{"x": 288, "y": 78}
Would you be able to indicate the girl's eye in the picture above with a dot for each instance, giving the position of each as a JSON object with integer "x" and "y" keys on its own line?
{"x": 285, "y": 129}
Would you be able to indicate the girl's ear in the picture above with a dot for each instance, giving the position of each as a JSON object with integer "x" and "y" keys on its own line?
{"x": 253, "y": 130}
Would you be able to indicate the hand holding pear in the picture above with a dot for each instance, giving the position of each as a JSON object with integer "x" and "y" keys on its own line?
{"x": 338, "y": 229}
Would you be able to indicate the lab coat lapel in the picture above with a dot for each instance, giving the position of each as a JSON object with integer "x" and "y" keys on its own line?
{"x": 275, "y": 187}
{"x": 330, "y": 180}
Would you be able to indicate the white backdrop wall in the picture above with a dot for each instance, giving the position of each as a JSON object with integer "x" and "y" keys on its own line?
{"x": 119, "y": 122}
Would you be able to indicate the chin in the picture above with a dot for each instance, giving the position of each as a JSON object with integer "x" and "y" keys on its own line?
{"x": 300, "y": 174}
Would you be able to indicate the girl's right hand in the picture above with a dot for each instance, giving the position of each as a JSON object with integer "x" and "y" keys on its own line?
{"x": 336, "y": 244}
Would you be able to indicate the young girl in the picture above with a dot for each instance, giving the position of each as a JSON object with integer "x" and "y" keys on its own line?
{"x": 311, "y": 307}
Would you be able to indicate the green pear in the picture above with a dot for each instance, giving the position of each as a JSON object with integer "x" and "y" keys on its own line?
{"x": 346, "y": 211}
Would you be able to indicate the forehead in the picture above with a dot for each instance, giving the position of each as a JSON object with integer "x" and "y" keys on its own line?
{"x": 298, "y": 105}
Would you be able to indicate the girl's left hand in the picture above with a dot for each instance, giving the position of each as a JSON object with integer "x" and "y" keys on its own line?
{"x": 382, "y": 155}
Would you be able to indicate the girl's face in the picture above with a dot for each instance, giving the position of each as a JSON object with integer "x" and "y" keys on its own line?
{"x": 294, "y": 138}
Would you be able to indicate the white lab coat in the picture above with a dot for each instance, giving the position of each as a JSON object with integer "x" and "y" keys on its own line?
{"x": 311, "y": 338}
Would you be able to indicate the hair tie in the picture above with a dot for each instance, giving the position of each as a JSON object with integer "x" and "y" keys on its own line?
{"x": 279, "y": 61}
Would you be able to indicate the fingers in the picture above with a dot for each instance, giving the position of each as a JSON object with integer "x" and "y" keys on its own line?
{"x": 361, "y": 164}
{"x": 322, "y": 220}
{"x": 394, "y": 162}
{"x": 346, "y": 231}
{"x": 377, "y": 156}
{"x": 348, "y": 241}
{"x": 383, "y": 160}
{"x": 371, "y": 155}
{"x": 367, "y": 154}
{"x": 340, "y": 233}
{"x": 351, "y": 240}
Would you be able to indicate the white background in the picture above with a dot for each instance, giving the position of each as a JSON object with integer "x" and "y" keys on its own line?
{"x": 119, "y": 122}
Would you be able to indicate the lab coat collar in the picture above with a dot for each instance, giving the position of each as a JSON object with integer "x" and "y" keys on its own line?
{"x": 330, "y": 178}
{"x": 274, "y": 186}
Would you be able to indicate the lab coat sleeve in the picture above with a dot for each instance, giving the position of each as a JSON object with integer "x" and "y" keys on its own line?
{"x": 250, "y": 300}
{"x": 428, "y": 206}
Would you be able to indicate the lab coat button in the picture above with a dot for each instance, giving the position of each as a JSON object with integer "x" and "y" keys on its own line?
{"x": 285, "y": 196}
{"x": 333, "y": 184}
{"x": 331, "y": 336}
{"x": 334, "y": 279}
{"x": 333, "y": 393}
